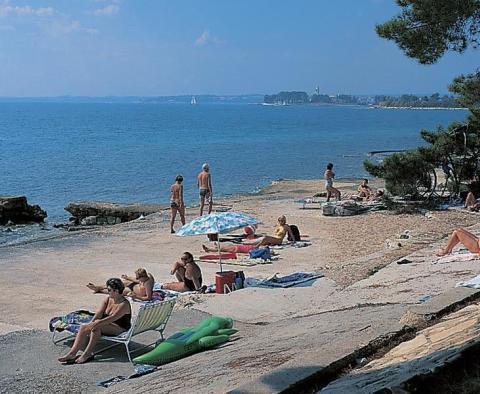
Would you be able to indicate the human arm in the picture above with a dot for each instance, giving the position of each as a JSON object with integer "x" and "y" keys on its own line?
{"x": 123, "y": 310}
{"x": 126, "y": 277}
{"x": 100, "y": 311}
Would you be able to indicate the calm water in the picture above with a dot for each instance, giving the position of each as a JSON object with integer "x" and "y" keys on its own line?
{"x": 55, "y": 153}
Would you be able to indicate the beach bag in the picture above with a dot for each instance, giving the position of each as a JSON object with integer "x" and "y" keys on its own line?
{"x": 296, "y": 233}
{"x": 260, "y": 253}
{"x": 239, "y": 279}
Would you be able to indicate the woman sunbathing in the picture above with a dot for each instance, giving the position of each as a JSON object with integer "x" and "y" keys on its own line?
{"x": 139, "y": 288}
{"x": 188, "y": 274}
{"x": 230, "y": 248}
{"x": 279, "y": 232}
{"x": 466, "y": 238}
{"x": 112, "y": 318}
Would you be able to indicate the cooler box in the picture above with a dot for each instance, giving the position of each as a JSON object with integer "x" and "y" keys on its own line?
{"x": 222, "y": 279}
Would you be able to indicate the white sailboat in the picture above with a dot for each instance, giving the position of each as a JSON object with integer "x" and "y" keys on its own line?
{"x": 193, "y": 101}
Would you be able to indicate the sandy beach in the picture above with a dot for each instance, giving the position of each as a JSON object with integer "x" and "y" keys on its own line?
{"x": 47, "y": 278}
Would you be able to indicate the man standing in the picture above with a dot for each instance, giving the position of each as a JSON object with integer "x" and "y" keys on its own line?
{"x": 204, "y": 182}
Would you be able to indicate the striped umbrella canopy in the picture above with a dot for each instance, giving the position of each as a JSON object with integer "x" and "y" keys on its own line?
{"x": 216, "y": 223}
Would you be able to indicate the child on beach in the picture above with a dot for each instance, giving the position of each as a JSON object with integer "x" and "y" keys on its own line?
{"x": 329, "y": 175}
{"x": 176, "y": 202}
{"x": 112, "y": 318}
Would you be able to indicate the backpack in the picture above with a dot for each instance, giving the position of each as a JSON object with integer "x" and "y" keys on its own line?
{"x": 296, "y": 233}
{"x": 260, "y": 253}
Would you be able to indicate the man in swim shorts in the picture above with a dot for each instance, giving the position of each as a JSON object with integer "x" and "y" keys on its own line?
{"x": 204, "y": 182}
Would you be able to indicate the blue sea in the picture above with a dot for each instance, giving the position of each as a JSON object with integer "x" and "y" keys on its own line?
{"x": 55, "y": 153}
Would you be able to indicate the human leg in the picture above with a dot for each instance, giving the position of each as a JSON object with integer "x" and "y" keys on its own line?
{"x": 202, "y": 203}
{"x": 80, "y": 341}
{"x": 466, "y": 238}
{"x": 269, "y": 240}
{"x": 223, "y": 248}
{"x": 175, "y": 286}
{"x": 172, "y": 219}
{"x": 97, "y": 289}
{"x": 181, "y": 211}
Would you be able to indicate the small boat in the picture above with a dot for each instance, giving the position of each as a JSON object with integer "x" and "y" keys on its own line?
{"x": 193, "y": 101}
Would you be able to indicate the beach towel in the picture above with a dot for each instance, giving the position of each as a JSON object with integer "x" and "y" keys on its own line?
{"x": 70, "y": 322}
{"x": 140, "y": 370}
{"x": 473, "y": 283}
{"x": 456, "y": 257}
{"x": 291, "y": 280}
{"x": 300, "y": 244}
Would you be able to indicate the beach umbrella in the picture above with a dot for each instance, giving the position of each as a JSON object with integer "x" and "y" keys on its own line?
{"x": 216, "y": 223}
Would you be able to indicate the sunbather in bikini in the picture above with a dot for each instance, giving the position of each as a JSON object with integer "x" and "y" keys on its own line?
{"x": 112, "y": 318}
{"x": 230, "y": 248}
{"x": 188, "y": 274}
{"x": 464, "y": 237}
{"x": 138, "y": 288}
{"x": 279, "y": 233}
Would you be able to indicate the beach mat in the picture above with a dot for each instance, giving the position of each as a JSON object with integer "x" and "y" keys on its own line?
{"x": 291, "y": 280}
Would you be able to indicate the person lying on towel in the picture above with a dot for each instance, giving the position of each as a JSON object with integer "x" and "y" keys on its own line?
{"x": 230, "y": 248}
{"x": 139, "y": 287}
{"x": 188, "y": 274}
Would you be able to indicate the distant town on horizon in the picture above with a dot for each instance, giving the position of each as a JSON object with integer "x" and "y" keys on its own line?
{"x": 435, "y": 100}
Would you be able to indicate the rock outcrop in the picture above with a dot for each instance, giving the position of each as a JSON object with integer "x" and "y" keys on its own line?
{"x": 100, "y": 213}
{"x": 15, "y": 209}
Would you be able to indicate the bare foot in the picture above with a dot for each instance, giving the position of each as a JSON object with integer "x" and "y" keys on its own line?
{"x": 205, "y": 248}
{"x": 84, "y": 359}
{"x": 441, "y": 253}
{"x": 68, "y": 357}
{"x": 94, "y": 288}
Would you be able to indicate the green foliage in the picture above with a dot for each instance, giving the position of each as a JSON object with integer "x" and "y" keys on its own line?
{"x": 406, "y": 174}
{"x": 467, "y": 87}
{"x": 287, "y": 98}
{"x": 426, "y": 29}
{"x": 410, "y": 100}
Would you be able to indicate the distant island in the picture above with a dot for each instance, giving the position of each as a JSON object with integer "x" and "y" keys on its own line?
{"x": 382, "y": 101}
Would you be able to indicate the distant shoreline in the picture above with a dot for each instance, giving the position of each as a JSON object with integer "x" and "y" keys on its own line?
{"x": 426, "y": 108}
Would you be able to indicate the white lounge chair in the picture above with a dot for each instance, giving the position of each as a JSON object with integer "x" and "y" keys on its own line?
{"x": 150, "y": 317}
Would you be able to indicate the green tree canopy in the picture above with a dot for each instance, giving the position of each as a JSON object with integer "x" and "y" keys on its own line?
{"x": 426, "y": 29}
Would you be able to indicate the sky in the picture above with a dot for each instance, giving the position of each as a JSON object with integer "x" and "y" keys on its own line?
{"x": 222, "y": 47}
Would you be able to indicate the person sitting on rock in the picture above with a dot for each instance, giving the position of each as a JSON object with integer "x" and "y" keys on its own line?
{"x": 188, "y": 274}
{"x": 139, "y": 288}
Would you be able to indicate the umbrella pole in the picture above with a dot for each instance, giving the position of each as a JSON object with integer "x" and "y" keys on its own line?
{"x": 219, "y": 253}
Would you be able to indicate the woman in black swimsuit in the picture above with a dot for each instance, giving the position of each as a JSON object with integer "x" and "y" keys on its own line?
{"x": 188, "y": 274}
{"x": 112, "y": 318}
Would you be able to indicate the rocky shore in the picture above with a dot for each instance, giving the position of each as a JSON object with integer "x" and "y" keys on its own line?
{"x": 16, "y": 210}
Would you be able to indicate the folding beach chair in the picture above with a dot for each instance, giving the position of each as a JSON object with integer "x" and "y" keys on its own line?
{"x": 150, "y": 317}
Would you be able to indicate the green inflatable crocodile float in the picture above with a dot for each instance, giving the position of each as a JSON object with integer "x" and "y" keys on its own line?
{"x": 209, "y": 333}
